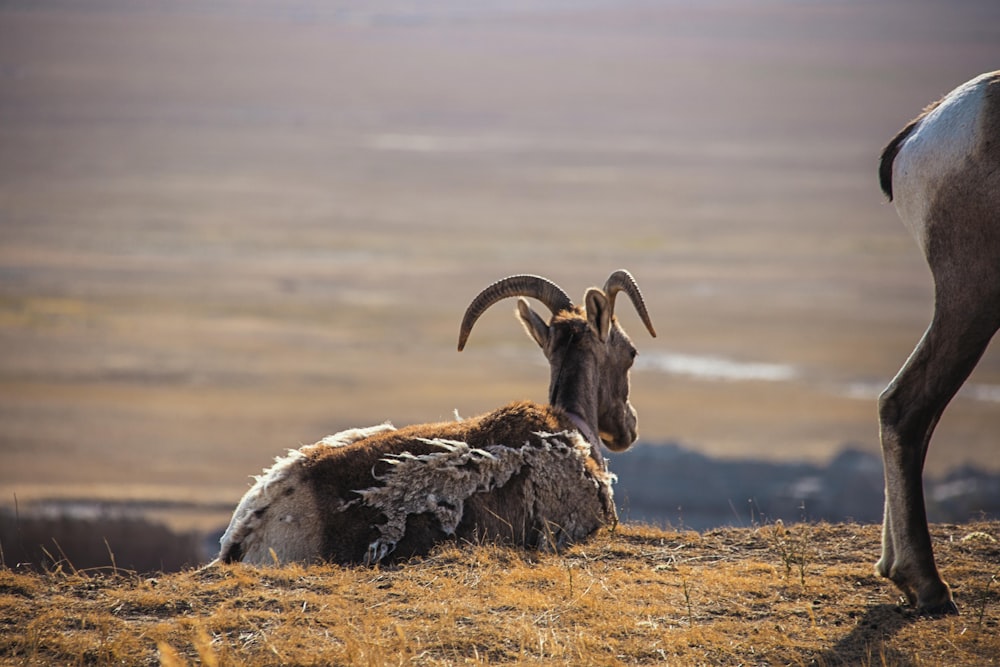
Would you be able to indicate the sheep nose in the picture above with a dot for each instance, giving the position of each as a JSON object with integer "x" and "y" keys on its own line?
{"x": 624, "y": 434}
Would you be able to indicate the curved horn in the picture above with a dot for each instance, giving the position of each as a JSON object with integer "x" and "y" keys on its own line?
{"x": 536, "y": 287}
{"x": 622, "y": 281}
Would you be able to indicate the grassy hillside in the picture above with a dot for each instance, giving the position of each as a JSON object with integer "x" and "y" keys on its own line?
{"x": 228, "y": 228}
{"x": 767, "y": 595}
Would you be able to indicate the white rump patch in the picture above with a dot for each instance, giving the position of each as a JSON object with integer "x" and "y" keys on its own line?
{"x": 277, "y": 513}
{"x": 247, "y": 526}
{"x": 936, "y": 151}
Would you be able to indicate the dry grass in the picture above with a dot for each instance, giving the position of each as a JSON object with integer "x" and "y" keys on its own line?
{"x": 212, "y": 250}
{"x": 770, "y": 595}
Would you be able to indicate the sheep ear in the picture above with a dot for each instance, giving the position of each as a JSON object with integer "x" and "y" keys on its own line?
{"x": 598, "y": 312}
{"x": 532, "y": 323}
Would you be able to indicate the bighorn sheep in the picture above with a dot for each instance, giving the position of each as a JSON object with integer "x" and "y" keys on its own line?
{"x": 942, "y": 171}
{"x": 525, "y": 474}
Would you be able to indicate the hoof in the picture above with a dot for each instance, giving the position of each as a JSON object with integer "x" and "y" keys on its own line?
{"x": 884, "y": 566}
{"x": 948, "y": 608}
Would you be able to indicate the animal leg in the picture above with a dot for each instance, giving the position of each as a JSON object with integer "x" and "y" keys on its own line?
{"x": 888, "y": 557}
{"x": 909, "y": 409}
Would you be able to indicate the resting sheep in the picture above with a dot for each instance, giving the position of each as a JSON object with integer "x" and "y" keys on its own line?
{"x": 526, "y": 474}
{"x": 942, "y": 172}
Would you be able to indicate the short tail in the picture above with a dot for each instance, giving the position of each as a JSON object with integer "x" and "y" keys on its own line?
{"x": 890, "y": 152}
{"x": 889, "y": 156}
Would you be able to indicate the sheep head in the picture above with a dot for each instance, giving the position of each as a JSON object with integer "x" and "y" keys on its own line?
{"x": 588, "y": 351}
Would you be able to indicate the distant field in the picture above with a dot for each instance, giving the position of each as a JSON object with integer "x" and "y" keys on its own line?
{"x": 228, "y": 229}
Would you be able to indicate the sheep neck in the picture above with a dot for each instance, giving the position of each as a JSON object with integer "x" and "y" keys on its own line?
{"x": 572, "y": 387}
{"x": 590, "y": 437}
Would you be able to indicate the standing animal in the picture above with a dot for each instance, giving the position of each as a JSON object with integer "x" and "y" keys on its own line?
{"x": 942, "y": 172}
{"x": 526, "y": 474}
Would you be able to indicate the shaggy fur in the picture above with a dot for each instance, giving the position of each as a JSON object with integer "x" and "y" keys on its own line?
{"x": 519, "y": 475}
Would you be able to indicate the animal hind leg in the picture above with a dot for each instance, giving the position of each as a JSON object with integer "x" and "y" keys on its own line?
{"x": 909, "y": 409}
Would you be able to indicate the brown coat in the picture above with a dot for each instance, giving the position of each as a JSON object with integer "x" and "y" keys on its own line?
{"x": 519, "y": 475}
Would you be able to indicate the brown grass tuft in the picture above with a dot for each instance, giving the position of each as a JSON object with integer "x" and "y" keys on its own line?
{"x": 639, "y": 595}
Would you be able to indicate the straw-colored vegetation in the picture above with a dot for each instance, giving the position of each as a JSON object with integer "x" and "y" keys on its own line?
{"x": 766, "y": 595}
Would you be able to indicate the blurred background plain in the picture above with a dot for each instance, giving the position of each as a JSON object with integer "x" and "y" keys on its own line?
{"x": 229, "y": 228}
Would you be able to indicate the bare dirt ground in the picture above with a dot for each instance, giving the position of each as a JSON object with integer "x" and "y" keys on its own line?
{"x": 231, "y": 228}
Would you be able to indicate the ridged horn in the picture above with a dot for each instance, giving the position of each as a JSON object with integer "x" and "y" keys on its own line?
{"x": 622, "y": 281}
{"x": 536, "y": 287}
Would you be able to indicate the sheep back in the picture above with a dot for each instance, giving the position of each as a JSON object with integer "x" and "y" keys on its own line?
{"x": 520, "y": 475}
